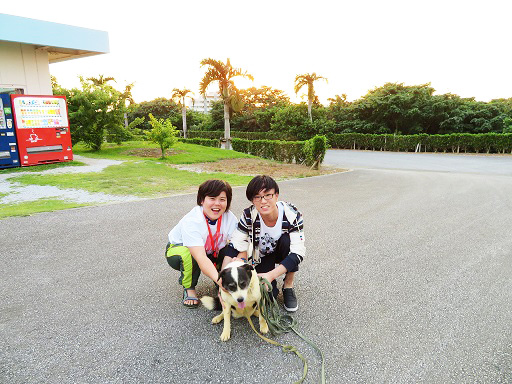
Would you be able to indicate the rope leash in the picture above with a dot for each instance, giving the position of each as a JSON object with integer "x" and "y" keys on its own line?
{"x": 285, "y": 348}
{"x": 279, "y": 323}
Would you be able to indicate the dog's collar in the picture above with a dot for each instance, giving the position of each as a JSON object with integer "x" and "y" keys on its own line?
{"x": 210, "y": 221}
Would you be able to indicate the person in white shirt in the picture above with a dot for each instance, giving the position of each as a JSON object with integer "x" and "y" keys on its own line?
{"x": 198, "y": 242}
{"x": 270, "y": 235}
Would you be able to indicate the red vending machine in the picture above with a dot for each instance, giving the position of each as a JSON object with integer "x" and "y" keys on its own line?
{"x": 42, "y": 129}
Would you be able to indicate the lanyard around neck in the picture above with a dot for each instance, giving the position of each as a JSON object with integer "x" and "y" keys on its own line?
{"x": 214, "y": 239}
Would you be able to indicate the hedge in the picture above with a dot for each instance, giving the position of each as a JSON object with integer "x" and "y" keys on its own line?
{"x": 241, "y": 135}
{"x": 455, "y": 143}
{"x": 310, "y": 152}
{"x": 201, "y": 141}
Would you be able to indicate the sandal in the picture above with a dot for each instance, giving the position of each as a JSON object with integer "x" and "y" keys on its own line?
{"x": 186, "y": 297}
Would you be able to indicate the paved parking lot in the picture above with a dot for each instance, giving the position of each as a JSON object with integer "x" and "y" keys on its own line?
{"x": 408, "y": 278}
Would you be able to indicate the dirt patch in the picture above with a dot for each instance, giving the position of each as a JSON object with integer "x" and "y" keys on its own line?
{"x": 252, "y": 167}
{"x": 150, "y": 152}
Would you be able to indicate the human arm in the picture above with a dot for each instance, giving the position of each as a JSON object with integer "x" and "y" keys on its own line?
{"x": 297, "y": 238}
{"x": 204, "y": 263}
{"x": 240, "y": 239}
{"x": 273, "y": 274}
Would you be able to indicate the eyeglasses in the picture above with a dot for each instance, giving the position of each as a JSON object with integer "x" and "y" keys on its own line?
{"x": 267, "y": 197}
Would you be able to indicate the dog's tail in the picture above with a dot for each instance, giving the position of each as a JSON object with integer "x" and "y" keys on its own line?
{"x": 209, "y": 302}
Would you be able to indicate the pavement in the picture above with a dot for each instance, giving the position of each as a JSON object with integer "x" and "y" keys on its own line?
{"x": 408, "y": 278}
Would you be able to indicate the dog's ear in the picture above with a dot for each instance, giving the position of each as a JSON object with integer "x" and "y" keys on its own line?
{"x": 222, "y": 273}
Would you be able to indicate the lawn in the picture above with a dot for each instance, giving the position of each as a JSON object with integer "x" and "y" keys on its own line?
{"x": 182, "y": 153}
{"x": 140, "y": 178}
{"x": 142, "y": 174}
{"x": 30, "y": 207}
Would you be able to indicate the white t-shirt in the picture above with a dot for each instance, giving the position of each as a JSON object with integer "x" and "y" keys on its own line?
{"x": 270, "y": 235}
{"x": 191, "y": 231}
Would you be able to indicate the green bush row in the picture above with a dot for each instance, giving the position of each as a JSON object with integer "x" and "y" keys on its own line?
{"x": 240, "y": 135}
{"x": 456, "y": 142}
{"x": 310, "y": 152}
{"x": 201, "y": 141}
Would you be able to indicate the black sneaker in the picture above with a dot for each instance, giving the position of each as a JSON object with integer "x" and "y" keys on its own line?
{"x": 290, "y": 301}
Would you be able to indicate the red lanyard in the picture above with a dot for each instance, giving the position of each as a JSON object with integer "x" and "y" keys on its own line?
{"x": 214, "y": 239}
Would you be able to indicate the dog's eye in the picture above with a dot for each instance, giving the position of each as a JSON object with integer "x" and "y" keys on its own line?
{"x": 243, "y": 285}
{"x": 232, "y": 287}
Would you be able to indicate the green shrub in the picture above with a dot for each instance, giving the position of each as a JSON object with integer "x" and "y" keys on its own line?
{"x": 163, "y": 133}
{"x": 200, "y": 141}
{"x": 455, "y": 143}
{"x": 285, "y": 151}
{"x": 314, "y": 151}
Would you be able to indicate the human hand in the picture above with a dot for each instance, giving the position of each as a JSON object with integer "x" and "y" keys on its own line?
{"x": 220, "y": 296}
{"x": 219, "y": 283}
{"x": 266, "y": 276}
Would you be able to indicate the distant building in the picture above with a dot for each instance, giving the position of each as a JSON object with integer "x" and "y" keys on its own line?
{"x": 28, "y": 46}
{"x": 203, "y": 103}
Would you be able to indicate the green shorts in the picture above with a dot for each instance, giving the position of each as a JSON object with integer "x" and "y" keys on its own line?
{"x": 180, "y": 259}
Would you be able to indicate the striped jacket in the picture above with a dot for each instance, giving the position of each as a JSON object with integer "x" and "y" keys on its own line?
{"x": 247, "y": 235}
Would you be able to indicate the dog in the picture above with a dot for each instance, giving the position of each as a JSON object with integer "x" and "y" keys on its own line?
{"x": 241, "y": 299}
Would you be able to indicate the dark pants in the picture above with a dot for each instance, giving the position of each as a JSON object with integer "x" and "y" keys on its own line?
{"x": 268, "y": 262}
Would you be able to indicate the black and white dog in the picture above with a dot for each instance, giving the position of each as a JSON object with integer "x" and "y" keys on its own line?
{"x": 241, "y": 299}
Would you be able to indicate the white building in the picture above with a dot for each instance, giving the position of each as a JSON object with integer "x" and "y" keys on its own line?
{"x": 203, "y": 103}
{"x": 28, "y": 46}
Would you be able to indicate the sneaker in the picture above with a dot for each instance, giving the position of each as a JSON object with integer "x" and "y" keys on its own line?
{"x": 290, "y": 300}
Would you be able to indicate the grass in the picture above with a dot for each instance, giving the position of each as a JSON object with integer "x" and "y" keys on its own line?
{"x": 30, "y": 207}
{"x": 43, "y": 167}
{"x": 141, "y": 178}
{"x": 186, "y": 153}
{"x": 139, "y": 175}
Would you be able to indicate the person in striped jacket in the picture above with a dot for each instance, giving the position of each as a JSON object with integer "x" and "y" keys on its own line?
{"x": 270, "y": 235}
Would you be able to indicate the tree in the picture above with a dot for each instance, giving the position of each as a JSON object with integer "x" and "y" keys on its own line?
{"x": 163, "y": 133}
{"x": 160, "y": 108}
{"x": 180, "y": 95}
{"x": 308, "y": 79}
{"x": 259, "y": 105}
{"x": 94, "y": 111}
{"x": 100, "y": 80}
{"x": 223, "y": 74}
{"x": 263, "y": 97}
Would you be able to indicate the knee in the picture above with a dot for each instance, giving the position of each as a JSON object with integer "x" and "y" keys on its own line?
{"x": 174, "y": 261}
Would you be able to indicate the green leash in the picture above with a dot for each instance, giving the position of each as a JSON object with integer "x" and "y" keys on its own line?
{"x": 279, "y": 323}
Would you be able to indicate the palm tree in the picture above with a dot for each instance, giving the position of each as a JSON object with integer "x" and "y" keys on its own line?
{"x": 101, "y": 80}
{"x": 179, "y": 95}
{"x": 308, "y": 79}
{"x": 223, "y": 74}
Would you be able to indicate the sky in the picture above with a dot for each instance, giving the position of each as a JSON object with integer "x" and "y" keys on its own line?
{"x": 460, "y": 47}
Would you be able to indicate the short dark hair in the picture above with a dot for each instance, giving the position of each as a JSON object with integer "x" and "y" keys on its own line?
{"x": 258, "y": 183}
{"x": 214, "y": 188}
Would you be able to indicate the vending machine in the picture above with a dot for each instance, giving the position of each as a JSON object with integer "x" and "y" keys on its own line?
{"x": 42, "y": 129}
{"x": 8, "y": 146}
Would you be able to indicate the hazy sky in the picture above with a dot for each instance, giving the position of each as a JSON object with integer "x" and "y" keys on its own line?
{"x": 461, "y": 47}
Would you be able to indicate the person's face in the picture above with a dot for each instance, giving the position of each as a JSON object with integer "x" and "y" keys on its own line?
{"x": 265, "y": 201}
{"x": 214, "y": 207}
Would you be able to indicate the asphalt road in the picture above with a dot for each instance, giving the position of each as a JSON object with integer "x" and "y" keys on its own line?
{"x": 408, "y": 278}
{"x": 440, "y": 162}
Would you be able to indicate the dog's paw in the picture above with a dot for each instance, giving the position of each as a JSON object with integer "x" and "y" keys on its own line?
{"x": 225, "y": 335}
{"x": 217, "y": 319}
